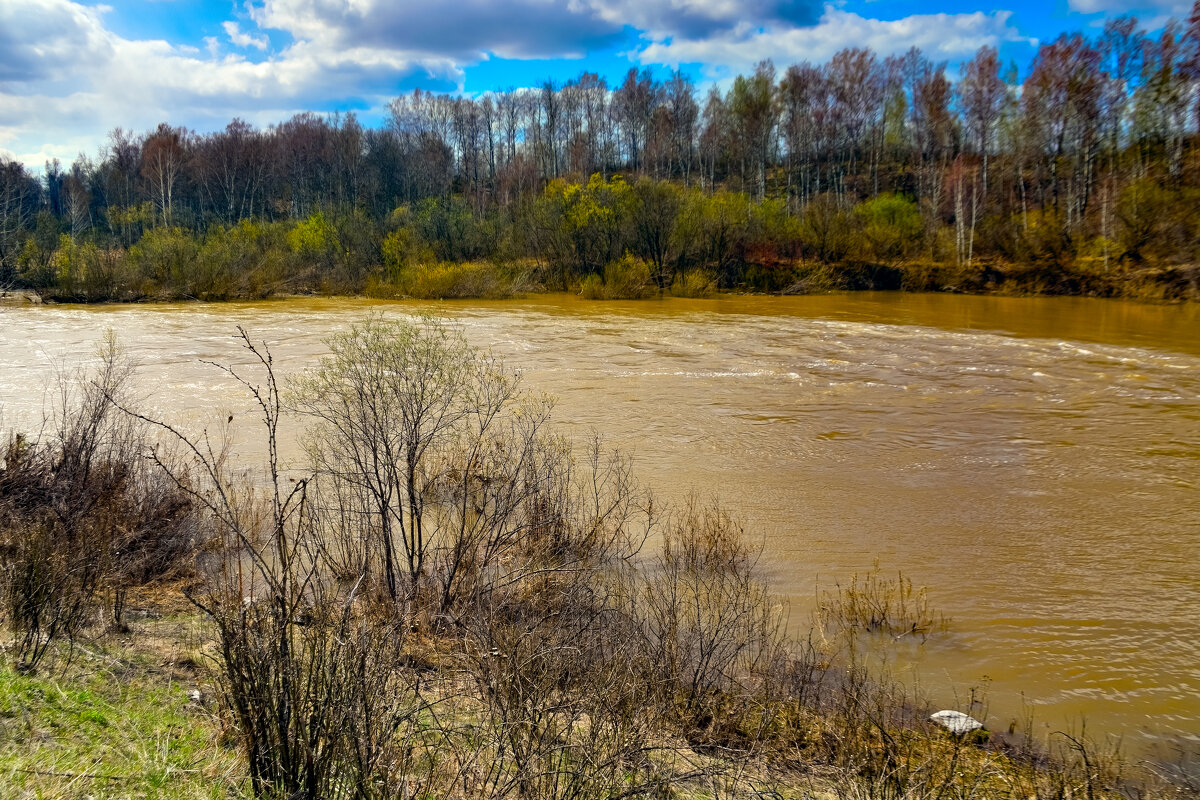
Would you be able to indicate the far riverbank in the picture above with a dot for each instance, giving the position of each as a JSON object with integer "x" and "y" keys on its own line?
{"x": 631, "y": 279}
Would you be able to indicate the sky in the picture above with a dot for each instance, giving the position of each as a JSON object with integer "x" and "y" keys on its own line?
{"x": 71, "y": 72}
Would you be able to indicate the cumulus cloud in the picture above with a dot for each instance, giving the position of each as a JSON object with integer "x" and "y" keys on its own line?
{"x": 243, "y": 39}
{"x": 472, "y": 29}
{"x": 45, "y": 40}
{"x": 1178, "y": 8}
{"x": 940, "y": 36}
{"x": 697, "y": 18}
{"x": 514, "y": 29}
{"x": 66, "y": 80}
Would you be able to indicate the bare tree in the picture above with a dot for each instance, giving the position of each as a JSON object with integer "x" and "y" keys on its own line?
{"x": 78, "y": 199}
{"x": 983, "y": 96}
{"x": 18, "y": 199}
{"x": 752, "y": 105}
{"x": 163, "y": 157}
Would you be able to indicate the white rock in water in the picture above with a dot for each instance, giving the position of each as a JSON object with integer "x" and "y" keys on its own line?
{"x": 956, "y": 722}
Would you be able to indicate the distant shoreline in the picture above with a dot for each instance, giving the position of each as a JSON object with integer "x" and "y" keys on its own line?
{"x": 1153, "y": 286}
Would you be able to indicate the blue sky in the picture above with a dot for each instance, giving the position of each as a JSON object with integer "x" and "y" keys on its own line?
{"x": 70, "y": 72}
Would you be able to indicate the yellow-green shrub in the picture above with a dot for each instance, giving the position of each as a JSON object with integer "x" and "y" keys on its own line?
{"x": 447, "y": 280}
{"x": 694, "y": 283}
{"x": 891, "y": 227}
{"x": 625, "y": 279}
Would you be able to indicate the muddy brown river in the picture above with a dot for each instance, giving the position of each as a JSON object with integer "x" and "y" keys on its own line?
{"x": 1034, "y": 461}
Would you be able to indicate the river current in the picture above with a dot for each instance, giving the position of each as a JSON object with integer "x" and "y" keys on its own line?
{"x": 1034, "y": 461}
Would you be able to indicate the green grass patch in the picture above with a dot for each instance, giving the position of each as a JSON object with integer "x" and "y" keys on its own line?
{"x": 111, "y": 727}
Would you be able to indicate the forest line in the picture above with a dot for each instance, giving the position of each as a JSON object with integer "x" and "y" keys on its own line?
{"x": 862, "y": 172}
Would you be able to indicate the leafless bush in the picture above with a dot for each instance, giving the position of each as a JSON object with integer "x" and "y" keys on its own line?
{"x": 323, "y": 690}
{"x": 81, "y": 515}
{"x": 557, "y": 660}
{"x": 563, "y": 708}
{"x": 714, "y": 632}
{"x": 49, "y": 588}
{"x": 436, "y": 472}
{"x": 430, "y": 443}
{"x": 322, "y": 701}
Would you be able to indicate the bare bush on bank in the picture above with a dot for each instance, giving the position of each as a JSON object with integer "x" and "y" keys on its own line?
{"x": 715, "y": 635}
{"x": 471, "y": 519}
{"x": 435, "y": 448}
{"x": 83, "y": 517}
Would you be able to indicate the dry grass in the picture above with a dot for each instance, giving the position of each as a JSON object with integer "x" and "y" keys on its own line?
{"x": 878, "y": 603}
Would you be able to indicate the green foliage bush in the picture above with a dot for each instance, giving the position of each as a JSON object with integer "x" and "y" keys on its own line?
{"x": 581, "y": 227}
{"x": 35, "y": 260}
{"x": 448, "y": 229}
{"x": 313, "y": 238}
{"x": 891, "y": 227}
{"x": 592, "y": 288}
{"x": 826, "y": 229}
{"x": 446, "y": 280}
{"x": 625, "y": 279}
{"x": 358, "y": 252}
{"x": 694, "y": 283}
{"x": 1144, "y": 211}
{"x": 163, "y": 259}
{"x": 655, "y": 219}
{"x": 772, "y": 226}
{"x": 720, "y": 229}
{"x": 401, "y": 248}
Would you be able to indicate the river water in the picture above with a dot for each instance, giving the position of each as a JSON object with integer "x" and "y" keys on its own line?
{"x": 1034, "y": 461}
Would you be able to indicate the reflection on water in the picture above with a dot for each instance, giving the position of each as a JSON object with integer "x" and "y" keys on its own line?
{"x": 1034, "y": 461}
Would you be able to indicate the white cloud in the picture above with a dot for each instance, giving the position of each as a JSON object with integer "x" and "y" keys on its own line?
{"x": 1177, "y": 8}
{"x": 244, "y": 39}
{"x": 66, "y": 80}
{"x": 49, "y": 40}
{"x": 940, "y": 36}
{"x": 695, "y": 18}
{"x": 471, "y": 29}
